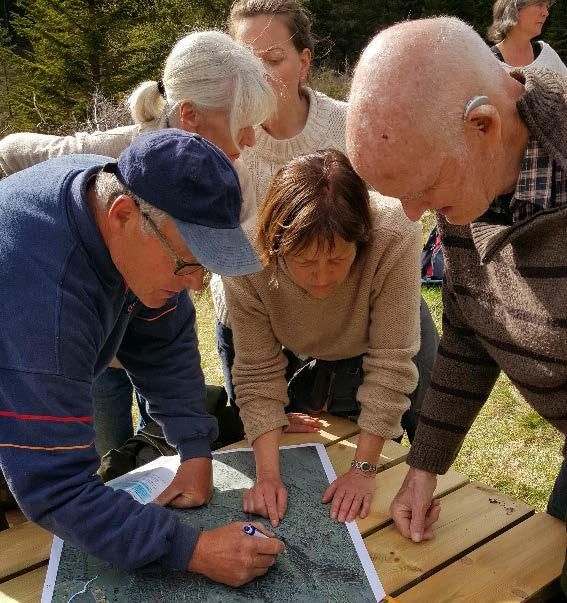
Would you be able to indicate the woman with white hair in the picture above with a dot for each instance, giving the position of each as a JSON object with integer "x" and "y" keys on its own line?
{"x": 211, "y": 86}
{"x": 514, "y": 25}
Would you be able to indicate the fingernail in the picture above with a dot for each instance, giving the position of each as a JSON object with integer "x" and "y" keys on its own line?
{"x": 416, "y": 536}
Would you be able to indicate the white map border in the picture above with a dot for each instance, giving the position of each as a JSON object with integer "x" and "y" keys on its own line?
{"x": 171, "y": 462}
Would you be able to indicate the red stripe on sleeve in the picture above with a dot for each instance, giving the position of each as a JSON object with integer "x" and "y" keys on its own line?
{"x": 14, "y": 415}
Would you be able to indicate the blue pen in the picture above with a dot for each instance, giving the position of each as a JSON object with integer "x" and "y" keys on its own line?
{"x": 252, "y": 531}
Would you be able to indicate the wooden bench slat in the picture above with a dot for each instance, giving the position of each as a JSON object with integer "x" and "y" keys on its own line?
{"x": 23, "y": 546}
{"x": 15, "y": 517}
{"x": 334, "y": 429}
{"x": 515, "y": 566}
{"x": 388, "y": 483}
{"x": 26, "y": 588}
{"x": 342, "y": 453}
{"x": 469, "y": 516}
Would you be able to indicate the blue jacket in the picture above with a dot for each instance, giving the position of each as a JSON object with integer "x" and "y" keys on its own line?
{"x": 65, "y": 312}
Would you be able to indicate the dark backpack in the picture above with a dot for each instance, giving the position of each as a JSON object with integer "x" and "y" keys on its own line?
{"x": 432, "y": 259}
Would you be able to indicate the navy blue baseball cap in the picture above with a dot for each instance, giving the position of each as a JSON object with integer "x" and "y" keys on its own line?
{"x": 194, "y": 182}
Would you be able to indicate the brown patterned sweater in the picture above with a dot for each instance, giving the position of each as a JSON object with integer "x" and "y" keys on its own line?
{"x": 505, "y": 304}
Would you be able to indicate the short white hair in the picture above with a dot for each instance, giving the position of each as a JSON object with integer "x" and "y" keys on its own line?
{"x": 444, "y": 62}
{"x": 108, "y": 187}
{"x": 212, "y": 71}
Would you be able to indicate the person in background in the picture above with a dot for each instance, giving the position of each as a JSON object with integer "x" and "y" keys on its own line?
{"x": 279, "y": 33}
{"x": 331, "y": 323}
{"x": 97, "y": 264}
{"x": 210, "y": 86}
{"x": 515, "y": 24}
{"x": 487, "y": 154}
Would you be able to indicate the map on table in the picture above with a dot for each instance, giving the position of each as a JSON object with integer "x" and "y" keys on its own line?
{"x": 325, "y": 561}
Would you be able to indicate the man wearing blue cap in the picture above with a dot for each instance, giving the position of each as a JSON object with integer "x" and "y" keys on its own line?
{"x": 95, "y": 259}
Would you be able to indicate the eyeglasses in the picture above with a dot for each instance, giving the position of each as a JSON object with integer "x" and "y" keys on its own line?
{"x": 182, "y": 268}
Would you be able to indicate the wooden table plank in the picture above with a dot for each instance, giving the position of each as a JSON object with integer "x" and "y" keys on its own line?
{"x": 334, "y": 429}
{"x": 23, "y": 546}
{"x": 388, "y": 483}
{"x": 516, "y": 566}
{"x": 24, "y": 589}
{"x": 342, "y": 453}
{"x": 469, "y": 516}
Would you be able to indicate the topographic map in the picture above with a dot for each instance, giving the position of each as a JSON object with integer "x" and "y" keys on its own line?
{"x": 321, "y": 563}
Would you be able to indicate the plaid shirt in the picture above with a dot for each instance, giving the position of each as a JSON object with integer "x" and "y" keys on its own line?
{"x": 541, "y": 185}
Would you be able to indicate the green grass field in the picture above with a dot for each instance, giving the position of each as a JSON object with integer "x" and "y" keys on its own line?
{"x": 509, "y": 446}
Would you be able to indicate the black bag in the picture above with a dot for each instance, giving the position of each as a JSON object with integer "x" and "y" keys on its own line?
{"x": 150, "y": 443}
{"x": 432, "y": 260}
{"x": 334, "y": 382}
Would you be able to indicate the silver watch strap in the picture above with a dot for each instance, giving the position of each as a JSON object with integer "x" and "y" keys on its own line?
{"x": 364, "y": 466}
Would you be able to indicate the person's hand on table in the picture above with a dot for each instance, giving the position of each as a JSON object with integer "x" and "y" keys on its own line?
{"x": 268, "y": 498}
{"x": 351, "y": 494}
{"x": 192, "y": 485}
{"x": 302, "y": 423}
{"x": 413, "y": 509}
{"x": 230, "y": 556}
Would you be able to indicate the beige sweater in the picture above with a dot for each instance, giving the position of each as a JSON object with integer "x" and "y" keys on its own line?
{"x": 375, "y": 312}
{"x": 324, "y": 129}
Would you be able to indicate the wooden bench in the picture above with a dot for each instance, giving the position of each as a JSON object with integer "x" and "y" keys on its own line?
{"x": 488, "y": 547}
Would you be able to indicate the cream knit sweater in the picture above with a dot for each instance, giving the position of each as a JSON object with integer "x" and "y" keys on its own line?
{"x": 375, "y": 312}
{"x": 547, "y": 59}
{"x": 324, "y": 129}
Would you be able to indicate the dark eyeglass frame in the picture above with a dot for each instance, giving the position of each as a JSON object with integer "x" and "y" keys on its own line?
{"x": 182, "y": 268}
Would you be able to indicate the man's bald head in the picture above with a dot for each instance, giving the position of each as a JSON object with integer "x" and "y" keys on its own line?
{"x": 409, "y": 92}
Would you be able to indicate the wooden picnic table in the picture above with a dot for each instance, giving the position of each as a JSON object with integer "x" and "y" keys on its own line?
{"x": 488, "y": 547}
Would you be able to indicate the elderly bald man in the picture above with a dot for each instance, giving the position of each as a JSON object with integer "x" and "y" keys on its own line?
{"x": 435, "y": 121}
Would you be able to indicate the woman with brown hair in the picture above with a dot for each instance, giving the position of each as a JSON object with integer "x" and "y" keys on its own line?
{"x": 331, "y": 323}
{"x": 514, "y": 26}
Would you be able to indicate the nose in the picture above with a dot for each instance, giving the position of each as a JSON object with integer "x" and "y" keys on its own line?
{"x": 194, "y": 280}
{"x": 247, "y": 137}
{"x": 322, "y": 276}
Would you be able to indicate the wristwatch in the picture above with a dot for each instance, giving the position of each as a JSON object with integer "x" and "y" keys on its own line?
{"x": 364, "y": 466}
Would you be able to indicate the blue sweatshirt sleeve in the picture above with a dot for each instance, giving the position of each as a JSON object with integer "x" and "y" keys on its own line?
{"x": 48, "y": 456}
{"x": 160, "y": 352}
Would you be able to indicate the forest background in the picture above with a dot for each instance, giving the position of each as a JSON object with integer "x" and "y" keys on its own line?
{"x": 61, "y": 61}
{"x": 67, "y": 65}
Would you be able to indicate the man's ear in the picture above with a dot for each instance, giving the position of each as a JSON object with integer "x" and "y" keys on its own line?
{"x": 485, "y": 120}
{"x": 123, "y": 214}
{"x": 189, "y": 116}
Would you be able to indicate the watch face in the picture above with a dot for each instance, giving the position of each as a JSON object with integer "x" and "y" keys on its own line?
{"x": 365, "y": 466}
